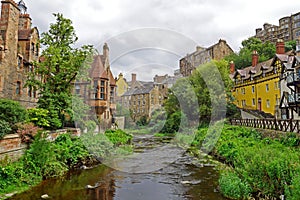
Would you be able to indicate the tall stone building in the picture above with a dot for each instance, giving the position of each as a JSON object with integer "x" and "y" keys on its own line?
{"x": 288, "y": 29}
{"x": 18, "y": 49}
{"x": 203, "y": 55}
{"x": 100, "y": 91}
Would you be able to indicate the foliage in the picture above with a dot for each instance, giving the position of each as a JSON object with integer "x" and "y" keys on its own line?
{"x": 61, "y": 65}
{"x": 118, "y": 137}
{"x": 290, "y": 45}
{"x": 69, "y": 150}
{"x": 39, "y": 117}
{"x": 267, "y": 165}
{"x": 243, "y": 58}
{"x": 27, "y": 131}
{"x": 205, "y": 93}
{"x": 12, "y": 111}
{"x": 4, "y": 128}
{"x": 98, "y": 145}
{"x": 143, "y": 121}
{"x": 91, "y": 126}
{"x": 232, "y": 186}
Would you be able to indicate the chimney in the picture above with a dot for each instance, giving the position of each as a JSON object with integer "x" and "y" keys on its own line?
{"x": 232, "y": 67}
{"x": 105, "y": 50}
{"x": 133, "y": 78}
{"x": 280, "y": 47}
{"x": 24, "y": 21}
{"x": 254, "y": 58}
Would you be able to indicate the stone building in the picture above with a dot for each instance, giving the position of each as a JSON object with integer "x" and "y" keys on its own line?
{"x": 100, "y": 91}
{"x": 19, "y": 47}
{"x": 203, "y": 55}
{"x": 288, "y": 29}
{"x": 142, "y": 98}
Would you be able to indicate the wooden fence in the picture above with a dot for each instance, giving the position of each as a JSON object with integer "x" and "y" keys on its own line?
{"x": 272, "y": 124}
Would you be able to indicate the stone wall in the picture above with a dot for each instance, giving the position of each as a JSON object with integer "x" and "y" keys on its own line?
{"x": 11, "y": 146}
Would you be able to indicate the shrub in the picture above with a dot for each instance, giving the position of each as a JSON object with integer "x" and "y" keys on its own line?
{"x": 39, "y": 117}
{"x": 91, "y": 125}
{"x": 12, "y": 111}
{"x": 27, "y": 131}
{"x": 4, "y": 128}
{"x": 118, "y": 137}
{"x": 232, "y": 186}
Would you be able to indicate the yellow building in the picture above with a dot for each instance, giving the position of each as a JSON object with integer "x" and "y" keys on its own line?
{"x": 122, "y": 85}
{"x": 257, "y": 87}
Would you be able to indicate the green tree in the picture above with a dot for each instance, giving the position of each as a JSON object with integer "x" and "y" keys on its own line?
{"x": 290, "y": 45}
{"x": 244, "y": 57}
{"x": 205, "y": 92}
{"x": 61, "y": 64}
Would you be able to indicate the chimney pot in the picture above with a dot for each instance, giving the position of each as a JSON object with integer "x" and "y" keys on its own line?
{"x": 254, "y": 58}
{"x": 280, "y": 47}
{"x": 133, "y": 77}
{"x": 232, "y": 67}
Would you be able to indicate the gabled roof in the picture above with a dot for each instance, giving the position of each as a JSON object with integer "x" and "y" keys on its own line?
{"x": 97, "y": 69}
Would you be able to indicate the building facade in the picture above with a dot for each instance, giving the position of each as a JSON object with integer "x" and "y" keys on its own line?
{"x": 100, "y": 91}
{"x": 258, "y": 87}
{"x": 19, "y": 48}
{"x": 203, "y": 55}
{"x": 288, "y": 29}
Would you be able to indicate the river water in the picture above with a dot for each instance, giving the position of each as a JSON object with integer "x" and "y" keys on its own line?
{"x": 157, "y": 170}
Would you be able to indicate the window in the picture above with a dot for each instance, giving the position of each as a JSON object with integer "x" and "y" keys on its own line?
{"x": 102, "y": 90}
{"x": 243, "y": 103}
{"x": 96, "y": 88}
{"x": 18, "y": 88}
{"x": 268, "y": 103}
{"x": 277, "y": 85}
{"x": 19, "y": 62}
{"x": 297, "y": 33}
{"x": 253, "y": 89}
{"x": 253, "y": 102}
{"x": 77, "y": 89}
{"x": 32, "y": 47}
{"x": 112, "y": 94}
{"x": 243, "y": 90}
{"x": 267, "y": 87}
{"x": 30, "y": 91}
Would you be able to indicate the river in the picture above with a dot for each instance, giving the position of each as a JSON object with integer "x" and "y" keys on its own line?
{"x": 157, "y": 170}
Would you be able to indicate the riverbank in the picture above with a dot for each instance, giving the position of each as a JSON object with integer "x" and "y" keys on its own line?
{"x": 45, "y": 159}
{"x": 259, "y": 164}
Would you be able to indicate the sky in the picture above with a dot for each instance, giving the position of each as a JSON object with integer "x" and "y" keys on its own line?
{"x": 148, "y": 37}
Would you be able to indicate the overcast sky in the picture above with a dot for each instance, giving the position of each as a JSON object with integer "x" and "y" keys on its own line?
{"x": 150, "y": 36}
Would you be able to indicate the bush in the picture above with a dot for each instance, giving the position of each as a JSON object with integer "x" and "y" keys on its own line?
{"x": 232, "y": 186}
{"x": 91, "y": 126}
{"x": 118, "y": 137}
{"x": 4, "y": 128}
{"x": 11, "y": 111}
{"x": 27, "y": 131}
{"x": 39, "y": 117}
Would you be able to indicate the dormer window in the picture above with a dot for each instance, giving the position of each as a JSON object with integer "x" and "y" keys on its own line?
{"x": 20, "y": 60}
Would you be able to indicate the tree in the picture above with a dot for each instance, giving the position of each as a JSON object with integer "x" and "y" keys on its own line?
{"x": 290, "y": 45}
{"x": 244, "y": 57}
{"x": 205, "y": 94}
{"x": 61, "y": 64}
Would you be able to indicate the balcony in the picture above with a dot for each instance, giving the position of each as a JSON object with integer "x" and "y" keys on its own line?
{"x": 294, "y": 98}
{"x": 293, "y": 79}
